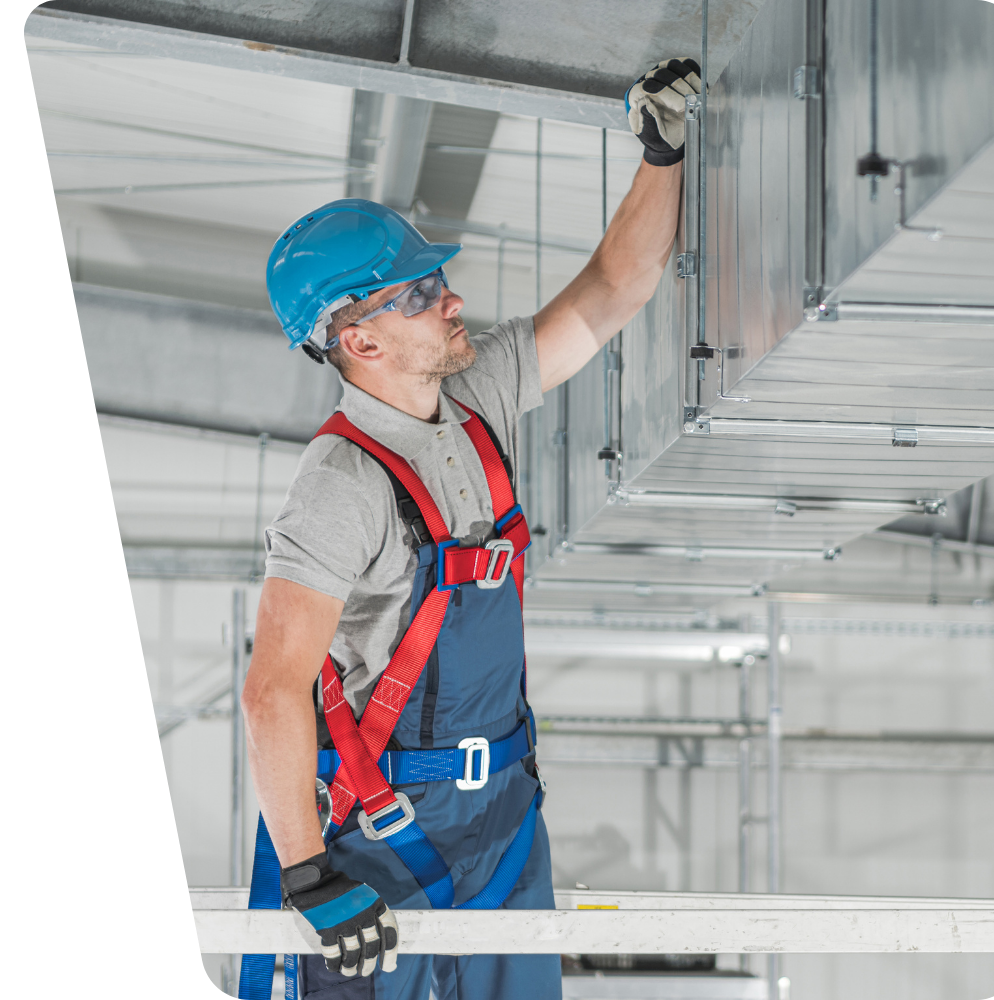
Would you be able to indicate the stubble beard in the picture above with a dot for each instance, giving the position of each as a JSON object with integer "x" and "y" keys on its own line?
{"x": 445, "y": 361}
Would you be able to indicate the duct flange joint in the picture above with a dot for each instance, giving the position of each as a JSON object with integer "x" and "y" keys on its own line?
{"x": 807, "y": 82}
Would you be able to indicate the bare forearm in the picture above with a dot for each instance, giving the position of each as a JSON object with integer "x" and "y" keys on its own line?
{"x": 637, "y": 244}
{"x": 617, "y": 281}
{"x": 282, "y": 741}
{"x": 294, "y": 630}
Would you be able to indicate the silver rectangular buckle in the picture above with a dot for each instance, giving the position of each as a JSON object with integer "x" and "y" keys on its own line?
{"x": 473, "y": 745}
{"x": 498, "y": 545}
{"x": 371, "y": 832}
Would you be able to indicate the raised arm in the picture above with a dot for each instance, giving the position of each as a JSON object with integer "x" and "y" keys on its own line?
{"x": 293, "y": 633}
{"x": 618, "y": 279}
{"x": 627, "y": 265}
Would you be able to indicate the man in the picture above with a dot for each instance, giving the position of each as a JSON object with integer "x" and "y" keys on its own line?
{"x": 392, "y": 552}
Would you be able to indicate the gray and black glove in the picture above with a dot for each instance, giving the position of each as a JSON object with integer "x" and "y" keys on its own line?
{"x": 355, "y": 925}
{"x": 655, "y": 105}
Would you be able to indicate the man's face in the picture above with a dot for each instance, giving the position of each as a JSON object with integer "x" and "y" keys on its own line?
{"x": 432, "y": 344}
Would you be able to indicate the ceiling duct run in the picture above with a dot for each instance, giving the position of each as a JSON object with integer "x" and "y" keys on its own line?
{"x": 853, "y": 315}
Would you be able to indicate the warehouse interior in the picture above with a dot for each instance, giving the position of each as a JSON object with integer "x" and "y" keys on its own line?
{"x": 759, "y": 600}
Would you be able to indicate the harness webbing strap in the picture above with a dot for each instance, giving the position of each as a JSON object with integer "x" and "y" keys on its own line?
{"x": 340, "y": 424}
{"x": 361, "y": 745}
{"x": 501, "y": 493}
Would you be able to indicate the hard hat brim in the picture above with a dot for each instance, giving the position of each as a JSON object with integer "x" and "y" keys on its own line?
{"x": 429, "y": 259}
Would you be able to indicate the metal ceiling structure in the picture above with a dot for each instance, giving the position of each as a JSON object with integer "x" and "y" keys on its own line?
{"x": 848, "y": 380}
{"x": 858, "y": 412}
{"x": 491, "y": 55}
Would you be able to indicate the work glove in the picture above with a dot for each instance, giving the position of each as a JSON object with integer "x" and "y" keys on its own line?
{"x": 355, "y": 925}
{"x": 655, "y": 105}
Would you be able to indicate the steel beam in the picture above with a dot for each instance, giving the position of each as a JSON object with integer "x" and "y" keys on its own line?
{"x": 323, "y": 67}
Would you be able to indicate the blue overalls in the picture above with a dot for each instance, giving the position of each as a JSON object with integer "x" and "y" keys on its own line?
{"x": 470, "y": 691}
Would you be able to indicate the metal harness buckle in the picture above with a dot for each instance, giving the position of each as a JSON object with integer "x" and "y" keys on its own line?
{"x": 372, "y": 833}
{"x": 498, "y": 545}
{"x": 472, "y": 745}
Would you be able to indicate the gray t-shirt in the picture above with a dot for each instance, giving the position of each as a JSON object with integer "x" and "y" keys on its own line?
{"x": 338, "y": 531}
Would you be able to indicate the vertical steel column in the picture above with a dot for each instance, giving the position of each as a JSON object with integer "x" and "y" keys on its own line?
{"x": 745, "y": 785}
{"x": 773, "y": 775}
{"x": 238, "y": 653}
{"x": 689, "y": 262}
{"x": 606, "y": 349}
{"x": 703, "y": 186}
{"x": 814, "y": 157}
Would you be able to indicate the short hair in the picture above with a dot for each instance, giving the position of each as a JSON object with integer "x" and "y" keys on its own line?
{"x": 340, "y": 319}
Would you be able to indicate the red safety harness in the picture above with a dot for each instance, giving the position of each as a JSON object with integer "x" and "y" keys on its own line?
{"x": 360, "y": 745}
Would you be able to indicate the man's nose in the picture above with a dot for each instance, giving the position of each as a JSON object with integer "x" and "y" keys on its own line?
{"x": 451, "y": 303}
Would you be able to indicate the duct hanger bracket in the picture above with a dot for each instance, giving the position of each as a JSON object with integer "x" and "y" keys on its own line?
{"x": 686, "y": 264}
{"x": 702, "y": 352}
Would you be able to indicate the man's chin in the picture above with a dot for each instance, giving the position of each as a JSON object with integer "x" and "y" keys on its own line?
{"x": 460, "y": 357}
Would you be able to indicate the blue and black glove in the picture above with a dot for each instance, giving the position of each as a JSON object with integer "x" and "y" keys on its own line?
{"x": 655, "y": 105}
{"x": 355, "y": 925}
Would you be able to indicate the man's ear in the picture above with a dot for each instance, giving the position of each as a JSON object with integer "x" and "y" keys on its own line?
{"x": 361, "y": 343}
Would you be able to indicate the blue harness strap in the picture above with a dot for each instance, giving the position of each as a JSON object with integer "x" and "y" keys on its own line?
{"x": 511, "y": 865}
{"x": 411, "y": 767}
{"x": 255, "y": 980}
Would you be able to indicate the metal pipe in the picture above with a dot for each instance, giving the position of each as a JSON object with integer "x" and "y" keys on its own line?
{"x": 708, "y": 924}
{"x": 405, "y": 34}
{"x": 903, "y": 312}
{"x": 773, "y": 736}
{"x": 874, "y": 33}
{"x": 780, "y": 505}
{"x": 648, "y": 589}
{"x": 689, "y": 262}
{"x": 703, "y": 187}
{"x": 745, "y": 783}
{"x": 238, "y": 654}
{"x": 697, "y": 553}
{"x": 816, "y": 429}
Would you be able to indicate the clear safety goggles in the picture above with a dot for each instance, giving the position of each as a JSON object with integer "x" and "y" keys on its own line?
{"x": 415, "y": 298}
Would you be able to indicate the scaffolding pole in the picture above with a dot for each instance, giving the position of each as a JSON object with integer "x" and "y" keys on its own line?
{"x": 773, "y": 774}
{"x": 642, "y": 923}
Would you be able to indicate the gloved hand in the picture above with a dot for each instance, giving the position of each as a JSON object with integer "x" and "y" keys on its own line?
{"x": 655, "y": 105}
{"x": 355, "y": 925}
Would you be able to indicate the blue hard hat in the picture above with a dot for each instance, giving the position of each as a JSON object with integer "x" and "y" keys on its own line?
{"x": 341, "y": 252}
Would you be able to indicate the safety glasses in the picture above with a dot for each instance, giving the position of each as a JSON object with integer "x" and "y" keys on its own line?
{"x": 413, "y": 299}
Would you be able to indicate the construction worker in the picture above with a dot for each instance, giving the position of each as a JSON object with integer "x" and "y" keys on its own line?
{"x": 393, "y": 551}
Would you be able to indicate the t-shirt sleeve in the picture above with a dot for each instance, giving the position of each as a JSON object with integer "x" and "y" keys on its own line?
{"x": 506, "y": 352}
{"x": 324, "y": 536}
